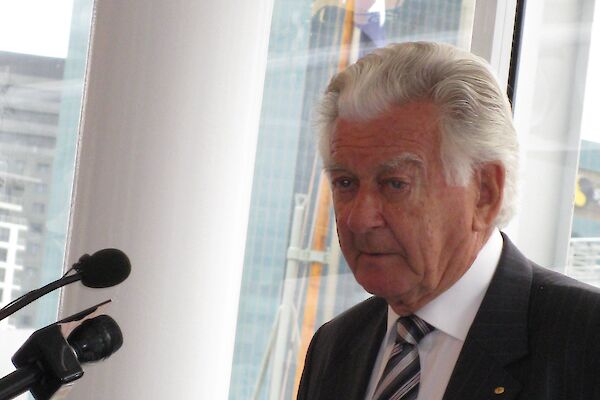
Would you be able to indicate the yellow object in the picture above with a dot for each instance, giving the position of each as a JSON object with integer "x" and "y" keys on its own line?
{"x": 499, "y": 390}
{"x": 580, "y": 198}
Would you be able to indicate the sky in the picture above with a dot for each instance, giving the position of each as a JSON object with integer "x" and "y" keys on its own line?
{"x": 38, "y": 27}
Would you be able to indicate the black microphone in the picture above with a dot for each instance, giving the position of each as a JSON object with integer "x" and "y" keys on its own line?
{"x": 46, "y": 361}
{"x": 104, "y": 268}
{"x": 96, "y": 339}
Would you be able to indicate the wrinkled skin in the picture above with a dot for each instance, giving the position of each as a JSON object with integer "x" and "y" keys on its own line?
{"x": 406, "y": 233}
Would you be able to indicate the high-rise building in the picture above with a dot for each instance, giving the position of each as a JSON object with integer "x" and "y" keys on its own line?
{"x": 30, "y": 99}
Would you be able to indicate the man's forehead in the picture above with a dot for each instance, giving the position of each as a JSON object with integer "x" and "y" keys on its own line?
{"x": 421, "y": 115}
{"x": 378, "y": 132}
{"x": 417, "y": 132}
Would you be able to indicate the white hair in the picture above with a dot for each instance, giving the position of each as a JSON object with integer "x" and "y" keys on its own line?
{"x": 476, "y": 121}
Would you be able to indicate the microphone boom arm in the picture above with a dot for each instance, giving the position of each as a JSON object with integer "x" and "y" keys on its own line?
{"x": 104, "y": 268}
{"x": 36, "y": 294}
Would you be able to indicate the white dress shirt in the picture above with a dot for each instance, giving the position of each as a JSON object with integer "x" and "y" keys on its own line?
{"x": 451, "y": 313}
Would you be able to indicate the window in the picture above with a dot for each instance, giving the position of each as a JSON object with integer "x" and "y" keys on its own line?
{"x": 40, "y": 187}
{"x": 19, "y": 166}
{"x": 33, "y": 248}
{"x": 555, "y": 107}
{"x": 36, "y": 228}
{"x": 555, "y": 74}
{"x": 19, "y": 257}
{"x": 43, "y": 168}
{"x": 42, "y": 63}
{"x": 38, "y": 208}
{"x": 309, "y": 41}
{"x": 4, "y": 234}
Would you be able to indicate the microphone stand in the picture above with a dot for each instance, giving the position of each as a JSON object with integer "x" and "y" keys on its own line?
{"x": 44, "y": 363}
{"x": 47, "y": 361}
{"x": 18, "y": 382}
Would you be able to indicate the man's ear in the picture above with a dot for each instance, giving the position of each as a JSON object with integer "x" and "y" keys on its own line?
{"x": 489, "y": 180}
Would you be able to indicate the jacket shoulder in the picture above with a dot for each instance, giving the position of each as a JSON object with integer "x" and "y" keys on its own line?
{"x": 344, "y": 346}
{"x": 565, "y": 306}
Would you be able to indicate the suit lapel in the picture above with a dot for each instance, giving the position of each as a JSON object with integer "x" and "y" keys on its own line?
{"x": 353, "y": 361}
{"x": 498, "y": 335}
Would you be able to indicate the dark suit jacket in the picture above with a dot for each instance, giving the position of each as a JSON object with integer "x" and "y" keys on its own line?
{"x": 536, "y": 334}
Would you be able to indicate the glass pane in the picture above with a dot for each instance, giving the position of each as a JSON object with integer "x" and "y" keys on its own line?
{"x": 294, "y": 277}
{"x": 584, "y": 247}
{"x": 556, "y": 109}
{"x": 43, "y": 50}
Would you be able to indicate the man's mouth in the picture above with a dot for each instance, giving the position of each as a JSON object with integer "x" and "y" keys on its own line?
{"x": 376, "y": 253}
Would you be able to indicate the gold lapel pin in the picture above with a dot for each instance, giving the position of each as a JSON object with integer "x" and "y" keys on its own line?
{"x": 499, "y": 390}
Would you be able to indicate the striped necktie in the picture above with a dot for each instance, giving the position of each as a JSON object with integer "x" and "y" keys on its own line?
{"x": 400, "y": 378}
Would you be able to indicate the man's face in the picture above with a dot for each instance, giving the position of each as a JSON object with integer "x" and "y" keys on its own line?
{"x": 406, "y": 233}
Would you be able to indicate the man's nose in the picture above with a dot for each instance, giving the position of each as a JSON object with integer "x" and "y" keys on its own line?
{"x": 365, "y": 212}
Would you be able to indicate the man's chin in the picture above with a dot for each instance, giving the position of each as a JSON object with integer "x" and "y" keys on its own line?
{"x": 392, "y": 291}
{"x": 377, "y": 286}
{"x": 377, "y": 276}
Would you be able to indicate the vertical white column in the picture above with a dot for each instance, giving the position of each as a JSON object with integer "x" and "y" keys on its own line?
{"x": 493, "y": 27}
{"x": 165, "y": 168}
{"x": 549, "y": 101}
{"x": 545, "y": 116}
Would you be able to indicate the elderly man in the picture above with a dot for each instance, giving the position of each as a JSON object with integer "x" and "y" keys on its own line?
{"x": 418, "y": 142}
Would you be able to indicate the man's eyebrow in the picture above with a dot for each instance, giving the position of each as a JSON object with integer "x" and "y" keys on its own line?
{"x": 333, "y": 167}
{"x": 402, "y": 160}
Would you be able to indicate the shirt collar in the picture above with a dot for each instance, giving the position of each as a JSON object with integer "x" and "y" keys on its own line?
{"x": 453, "y": 311}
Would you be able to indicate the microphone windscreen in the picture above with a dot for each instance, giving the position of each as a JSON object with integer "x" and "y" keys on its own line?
{"x": 104, "y": 268}
{"x": 96, "y": 339}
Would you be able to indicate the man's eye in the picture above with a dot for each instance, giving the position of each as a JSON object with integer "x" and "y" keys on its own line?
{"x": 395, "y": 184}
{"x": 342, "y": 183}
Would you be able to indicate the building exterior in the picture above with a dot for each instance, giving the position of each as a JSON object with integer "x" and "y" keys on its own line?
{"x": 30, "y": 100}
